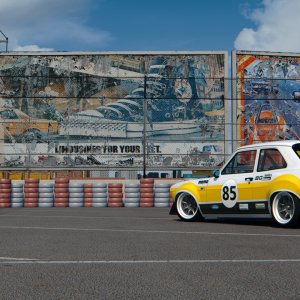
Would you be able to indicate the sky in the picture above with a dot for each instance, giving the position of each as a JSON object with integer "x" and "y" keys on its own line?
{"x": 152, "y": 25}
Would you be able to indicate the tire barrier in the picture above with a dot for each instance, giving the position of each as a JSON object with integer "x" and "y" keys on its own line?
{"x": 61, "y": 192}
{"x": 46, "y": 194}
{"x": 31, "y": 192}
{"x": 17, "y": 194}
{"x": 115, "y": 195}
{"x": 65, "y": 193}
{"x": 98, "y": 194}
{"x": 76, "y": 194}
{"x": 146, "y": 192}
{"x": 162, "y": 195}
{"x": 132, "y": 195}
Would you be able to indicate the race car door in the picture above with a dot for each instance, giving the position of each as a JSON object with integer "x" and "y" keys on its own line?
{"x": 231, "y": 192}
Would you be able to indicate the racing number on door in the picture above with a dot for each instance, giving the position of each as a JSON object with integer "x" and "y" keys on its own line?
{"x": 229, "y": 193}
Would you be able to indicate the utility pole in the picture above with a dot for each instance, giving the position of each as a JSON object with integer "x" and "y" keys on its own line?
{"x": 145, "y": 129}
{"x": 4, "y": 41}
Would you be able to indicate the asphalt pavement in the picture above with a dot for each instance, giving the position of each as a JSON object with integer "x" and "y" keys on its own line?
{"x": 143, "y": 253}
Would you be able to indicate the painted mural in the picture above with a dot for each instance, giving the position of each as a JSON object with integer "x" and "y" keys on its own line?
{"x": 97, "y": 110}
{"x": 267, "y": 97}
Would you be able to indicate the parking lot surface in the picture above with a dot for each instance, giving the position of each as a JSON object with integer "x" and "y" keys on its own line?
{"x": 143, "y": 253}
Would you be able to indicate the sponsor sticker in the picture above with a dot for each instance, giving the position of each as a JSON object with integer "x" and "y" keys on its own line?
{"x": 215, "y": 206}
{"x": 244, "y": 206}
{"x": 260, "y": 206}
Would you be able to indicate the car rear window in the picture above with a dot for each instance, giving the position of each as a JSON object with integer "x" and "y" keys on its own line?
{"x": 296, "y": 148}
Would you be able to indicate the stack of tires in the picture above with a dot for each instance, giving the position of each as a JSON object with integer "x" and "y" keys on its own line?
{"x": 76, "y": 194}
{"x": 147, "y": 192}
{"x": 99, "y": 194}
{"x": 46, "y": 195}
{"x": 88, "y": 194}
{"x": 132, "y": 195}
{"x": 31, "y": 192}
{"x": 17, "y": 194}
{"x": 115, "y": 195}
{"x": 162, "y": 195}
{"x": 5, "y": 193}
{"x": 61, "y": 192}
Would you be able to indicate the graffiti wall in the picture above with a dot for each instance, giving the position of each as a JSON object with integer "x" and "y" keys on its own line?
{"x": 266, "y": 96}
{"x": 107, "y": 110}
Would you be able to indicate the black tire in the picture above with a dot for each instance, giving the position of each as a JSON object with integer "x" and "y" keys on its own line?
{"x": 187, "y": 208}
{"x": 285, "y": 209}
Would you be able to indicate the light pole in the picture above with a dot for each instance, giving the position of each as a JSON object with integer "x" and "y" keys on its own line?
{"x": 4, "y": 41}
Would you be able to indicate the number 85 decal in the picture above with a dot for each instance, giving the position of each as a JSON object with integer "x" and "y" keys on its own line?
{"x": 229, "y": 193}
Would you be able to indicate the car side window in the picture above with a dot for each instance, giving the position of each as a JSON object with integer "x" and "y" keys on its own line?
{"x": 270, "y": 159}
{"x": 242, "y": 162}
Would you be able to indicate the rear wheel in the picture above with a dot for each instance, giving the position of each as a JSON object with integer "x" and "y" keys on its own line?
{"x": 286, "y": 209}
{"x": 187, "y": 208}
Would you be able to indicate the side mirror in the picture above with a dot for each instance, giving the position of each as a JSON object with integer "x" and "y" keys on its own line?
{"x": 216, "y": 174}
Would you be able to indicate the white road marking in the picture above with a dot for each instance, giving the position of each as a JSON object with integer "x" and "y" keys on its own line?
{"x": 18, "y": 258}
{"x": 151, "y": 231}
{"x": 171, "y": 261}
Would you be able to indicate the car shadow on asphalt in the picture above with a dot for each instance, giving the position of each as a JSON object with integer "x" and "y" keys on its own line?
{"x": 245, "y": 222}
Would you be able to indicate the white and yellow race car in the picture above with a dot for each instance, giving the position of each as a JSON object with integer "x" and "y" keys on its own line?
{"x": 259, "y": 181}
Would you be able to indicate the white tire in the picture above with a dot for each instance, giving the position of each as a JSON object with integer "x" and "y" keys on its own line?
{"x": 17, "y": 190}
{"x": 162, "y": 185}
{"x": 76, "y": 190}
{"x": 99, "y": 204}
{"x": 75, "y": 185}
{"x": 16, "y": 204}
{"x": 46, "y": 205}
{"x": 46, "y": 195}
{"x": 131, "y": 200}
{"x": 46, "y": 184}
{"x": 162, "y": 195}
{"x": 46, "y": 189}
{"x": 132, "y": 204}
{"x": 17, "y": 184}
{"x": 76, "y": 195}
{"x": 99, "y": 200}
{"x": 46, "y": 200}
{"x": 99, "y": 185}
{"x": 161, "y": 205}
{"x": 17, "y": 200}
{"x": 132, "y": 195}
{"x": 75, "y": 204}
{"x": 99, "y": 195}
{"x": 162, "y": 190}
{"x": 132, "y": 190}
{"x": 99, "y": 190}
{"x": 76, "y": 200}
{"x": 132, "y": 185}
{"x": 17, "y": 195}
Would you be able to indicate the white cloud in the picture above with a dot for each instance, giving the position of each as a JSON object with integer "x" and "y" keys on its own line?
{"x": 44, "y": 25}
{"x": 276, "y": 27}
{"x": 32, "y": 48}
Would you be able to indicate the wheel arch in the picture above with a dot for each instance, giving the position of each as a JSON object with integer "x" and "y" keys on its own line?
{"x": 190, "y": 193}
{"x": 285, "y": 183}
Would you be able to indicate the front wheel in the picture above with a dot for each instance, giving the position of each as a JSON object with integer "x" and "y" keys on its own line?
{"x": 187, "y": 208}
{"x": 286, "y": 209}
